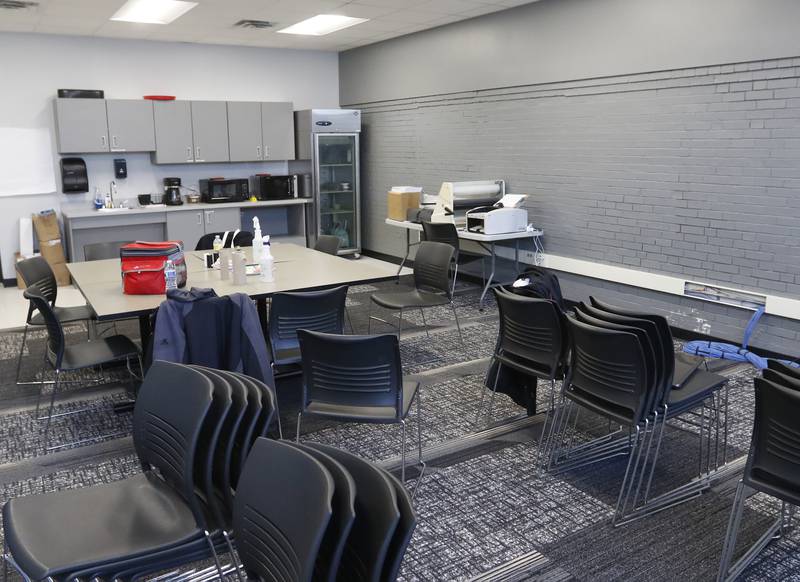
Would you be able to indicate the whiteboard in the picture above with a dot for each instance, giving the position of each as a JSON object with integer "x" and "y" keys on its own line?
{"x": 26, "y": 161}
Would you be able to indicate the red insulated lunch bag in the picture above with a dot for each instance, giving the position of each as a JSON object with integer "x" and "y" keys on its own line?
{"x": 143, "y": 266}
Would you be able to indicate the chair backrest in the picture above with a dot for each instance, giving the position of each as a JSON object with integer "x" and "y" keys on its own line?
{"x": 783, "y": 368}
{"x": 327, "y": 243}
{"x": 313, "y": 310}
{"x": 432, "y": 266}
{"x": 102, "y": 251}
{"x": 781, "y": 379}
{"x": 55, "y": 333}
{"x": 281, "y": 512}
{"x": 344, "y": 514}
{"x": 442, "y": 232}
{"x": 171, "y": 409}
{"x": 262, "y": 406}
{"x": 402, "y": 535}
{"x": 36, "y": 271}
{"x": 531, "y": 333}
{"x": 351, "y": 370}
{"x": 243, "y": 239}
{"x": 377, "y": 517}
{"x": 610, "y": 367}
{"x": 774, "y": 457}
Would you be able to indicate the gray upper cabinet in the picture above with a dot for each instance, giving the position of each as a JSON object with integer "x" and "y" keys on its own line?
{"x": 130, "y": 125}
{"x": 244, "y": 131}
{"x": 277, "y": 129}
{"x": 173, "y": 125}
{"x": 81, "y": 126}
{"x": 210, "y": 131}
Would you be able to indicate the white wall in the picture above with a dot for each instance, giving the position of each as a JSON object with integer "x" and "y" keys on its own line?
{"x": 33, "y": 67}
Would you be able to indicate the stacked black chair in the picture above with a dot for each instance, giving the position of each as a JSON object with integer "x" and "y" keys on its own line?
{"x": 622, "y": 369}
{"x": 241, "y": 239}
{"x": 327, "y": 243}
{"x": 773, "y": 464}
{"x": 445, "y": 232}
{"x": 63, "y": 358}
{"x": 431, "y": 286}
{"x": 103, "y": 251}
{"x": 358, "y": 379}
{"x": 36, "y": 271}
{"x": 289, "y": 312}
{"x": 532, "y": 340}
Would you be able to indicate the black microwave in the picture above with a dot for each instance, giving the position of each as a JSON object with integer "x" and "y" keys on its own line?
{"x": 267, "y": 187}
{"x": 216, "y": 190}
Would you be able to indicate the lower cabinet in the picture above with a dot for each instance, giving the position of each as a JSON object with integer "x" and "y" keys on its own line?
{"x": 189, "y": 225}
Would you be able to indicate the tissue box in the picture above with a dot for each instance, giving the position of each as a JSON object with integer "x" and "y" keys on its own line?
{"x": 400, "y": 200}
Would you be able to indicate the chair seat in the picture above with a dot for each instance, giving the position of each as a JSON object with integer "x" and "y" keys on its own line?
{"x": 365, "y": 413}
{"x": 411, "y": 298}
{"x": 696, "y": 389}
{"x": 287, "y": 357}
{"x": 98, "y": 351}
{"x": 65, "y": 315}
{"x": 529, "y": 367}
{"x": 72, "y": 530}
{"x": 773, "y": 485}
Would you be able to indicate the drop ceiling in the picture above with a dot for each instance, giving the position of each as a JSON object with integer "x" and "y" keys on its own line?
{"x": 212, "y": 21}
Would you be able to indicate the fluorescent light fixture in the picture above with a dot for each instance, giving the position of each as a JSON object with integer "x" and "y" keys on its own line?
{"x": 322, "y": 24}
{"x": 152, "y": 11}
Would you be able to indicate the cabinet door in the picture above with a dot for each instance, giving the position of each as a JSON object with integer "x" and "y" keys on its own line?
{"x": 81, "y": 126}
{"x": 173, "y": 124}
{"x": 185, "y": 225}
{"x": 277, "y": 127}
{"x": 210, "y": 131}
{"x": 130, "y": 125}
{"x": 223, "y": 219}
{"x": 244, "y": 131}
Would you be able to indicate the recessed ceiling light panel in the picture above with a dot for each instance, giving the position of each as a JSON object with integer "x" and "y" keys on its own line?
{"x": 322, "y": 24}
{"x": 152, "y": 11}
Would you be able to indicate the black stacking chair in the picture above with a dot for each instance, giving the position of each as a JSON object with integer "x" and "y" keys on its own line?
{"x": 532, "y": 340}
{"x": 281, "y": 512}
{"x": 241, "y": 239}
{"x": 344, "y": 514}
{"x": 262, "y": 409}
{"x": 403, "y": 533}
{"x": 445, "y": 232}
{"x": 772, "y": 468}
{"x": 36, "y": 271}
{"x": 313, "y": 310}
{"x": 117, "y": 521}
{"x": 368, "y": 546}
{"x": 327, "y": 243}
{"x": 63, "y": 358}
{"x": 431, "y": 286}
{"x": 785, "y": 380}
{"x": 102, "y": 251}
{"x": 354, "y": 378}
{"x": 783, "y": 369}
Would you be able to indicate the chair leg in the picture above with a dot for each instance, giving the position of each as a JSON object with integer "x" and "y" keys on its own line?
{"x": 424, "y": 323}
{"x": 455, "y": 276}
{"x": 369, "y": 318}
{"x": 620, "y": 508}
{"x": 5, "y": 559}
{"x": 419, "y": 446}
{"x": 400, "y": 326}
{"x": 458, "y": 325}
{"x": 403, "y": 451}
{"x": 232, "y": 553}
{"x": 732, "y": 533}
{"x": 217, "y": 563}
{"x": 349, "y": 321}
{"x": 50, "y": 412}
{"x": 21, "y": 351}
{"x": 491, "y": 400}
{"x": 299, "y": 417}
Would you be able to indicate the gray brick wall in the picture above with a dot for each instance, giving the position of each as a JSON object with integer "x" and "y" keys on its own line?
{"x": 693, "y": 172}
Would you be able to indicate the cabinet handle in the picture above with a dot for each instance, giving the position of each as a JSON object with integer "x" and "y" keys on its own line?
{"x": 266, "y": 152}
{"x": 103, "y": 140}
{"x": 258, "y": 152}
{"x": 197, "y": 155}
{"x": 209, "y": 216}
{"x": 189, "y": 154}
{"x": 114, "y": 140}
{"x": 199, "y": 219}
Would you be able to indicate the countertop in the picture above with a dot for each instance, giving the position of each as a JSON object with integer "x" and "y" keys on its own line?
{"x": 83, "y": 211}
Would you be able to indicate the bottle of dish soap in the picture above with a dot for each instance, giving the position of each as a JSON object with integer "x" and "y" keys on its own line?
{"x": 258, "y": 243}
{"x": 267, "y": 262}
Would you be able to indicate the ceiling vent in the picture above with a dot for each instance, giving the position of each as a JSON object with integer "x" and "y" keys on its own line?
{"x": 259, "y": 24}
{"x": 17, "y": 4}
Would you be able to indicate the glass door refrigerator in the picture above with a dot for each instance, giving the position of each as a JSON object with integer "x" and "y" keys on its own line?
{"x": 329, "y": 138}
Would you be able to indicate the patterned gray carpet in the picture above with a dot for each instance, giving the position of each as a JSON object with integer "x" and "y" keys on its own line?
{"x": 481, "y": 504}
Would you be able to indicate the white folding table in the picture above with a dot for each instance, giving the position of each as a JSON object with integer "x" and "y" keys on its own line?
{"x": 486, "y": 241}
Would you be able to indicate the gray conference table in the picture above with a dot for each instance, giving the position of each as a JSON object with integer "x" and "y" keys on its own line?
{"x": 296, "y": 269}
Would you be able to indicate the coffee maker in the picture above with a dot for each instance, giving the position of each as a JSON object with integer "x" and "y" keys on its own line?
{"x": 172, "y": 192}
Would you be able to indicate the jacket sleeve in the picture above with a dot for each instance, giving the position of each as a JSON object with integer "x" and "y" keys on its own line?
{"x": 255, "y": 358}
{"x": 169, "y": 337}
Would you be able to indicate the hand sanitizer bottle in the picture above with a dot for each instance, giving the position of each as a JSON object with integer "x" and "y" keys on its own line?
{"x": 267, "y": 262}
{"x": 258, "y": 243}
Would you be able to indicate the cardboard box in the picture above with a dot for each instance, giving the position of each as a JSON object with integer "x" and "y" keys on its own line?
{"x": 47, "y": 231}
{"x": 20, "y": 282}
{"x": 399, "y": 201}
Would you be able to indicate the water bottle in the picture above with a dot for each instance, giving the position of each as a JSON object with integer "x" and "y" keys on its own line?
{"x": 267, "y": 262}
{"x": 170, "y": 275}
{"x": 217, "y": 244}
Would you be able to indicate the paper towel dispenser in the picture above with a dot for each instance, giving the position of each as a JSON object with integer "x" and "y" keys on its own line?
{"x": 74, "y": 178}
